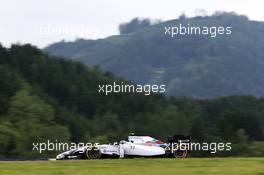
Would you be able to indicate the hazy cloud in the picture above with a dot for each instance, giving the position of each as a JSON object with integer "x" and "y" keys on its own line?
{"x": 21, "y": 21}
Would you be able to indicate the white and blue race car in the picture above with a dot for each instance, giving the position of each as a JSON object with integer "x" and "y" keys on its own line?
{"x": 136, "y": 146}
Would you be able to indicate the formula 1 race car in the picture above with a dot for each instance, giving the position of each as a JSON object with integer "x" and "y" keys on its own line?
{"x": 136, "y": 146}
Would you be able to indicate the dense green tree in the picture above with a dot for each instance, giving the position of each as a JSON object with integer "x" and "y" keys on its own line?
{"x": 49, "y": 98}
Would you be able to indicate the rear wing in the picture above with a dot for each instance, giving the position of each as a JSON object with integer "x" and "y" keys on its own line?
{"x": 178, "y": 138}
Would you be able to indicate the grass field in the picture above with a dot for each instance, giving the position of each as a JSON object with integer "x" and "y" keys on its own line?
{"x": 190, "y": 166}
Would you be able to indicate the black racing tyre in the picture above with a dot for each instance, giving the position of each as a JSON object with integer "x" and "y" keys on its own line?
{"x": 180, "y": 153}
{"x": 93, "y": 153}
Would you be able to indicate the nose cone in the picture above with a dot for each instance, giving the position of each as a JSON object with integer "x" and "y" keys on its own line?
{"x": 60, "y": 156}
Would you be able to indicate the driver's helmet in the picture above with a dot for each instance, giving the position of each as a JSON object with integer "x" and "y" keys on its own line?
{"x": 122, "y": 142}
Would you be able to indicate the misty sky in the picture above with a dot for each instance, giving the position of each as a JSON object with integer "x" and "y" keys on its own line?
{"x": 43, "y": 22}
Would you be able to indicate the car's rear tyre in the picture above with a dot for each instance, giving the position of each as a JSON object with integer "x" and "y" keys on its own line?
{"x": 93, "y": 153}
{"x": 180, "y": 153}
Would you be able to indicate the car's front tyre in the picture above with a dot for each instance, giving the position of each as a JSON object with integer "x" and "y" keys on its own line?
{"x": 93, "y": 153}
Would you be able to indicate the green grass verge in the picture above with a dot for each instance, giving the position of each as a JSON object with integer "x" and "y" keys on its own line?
{"x": 189, "y": 166}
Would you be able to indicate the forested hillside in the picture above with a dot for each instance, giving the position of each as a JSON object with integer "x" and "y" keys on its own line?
{"x": 190, "y": 65}
{"x": 44, "y": 97}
